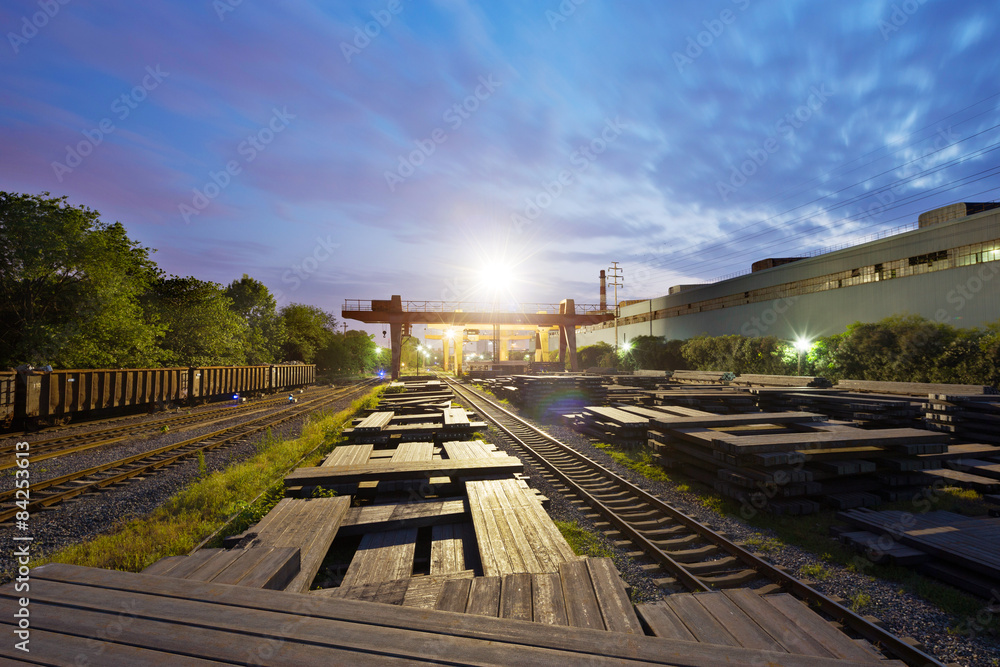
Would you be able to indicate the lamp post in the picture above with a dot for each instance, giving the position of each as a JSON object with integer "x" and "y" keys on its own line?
{"x": 802, "y": 346}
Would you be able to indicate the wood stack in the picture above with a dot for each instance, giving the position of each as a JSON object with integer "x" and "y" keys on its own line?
{"x": 612, "y": 425}
{"x": 970, "y": 417}
{"x": 752, "y": 380}
{"x": 791, "y": 462}
{"x": 703, "y": 377}
{"x": 542, "y": 394}
{"x": 869, "y": 410}
{"x": 963, "y": 551}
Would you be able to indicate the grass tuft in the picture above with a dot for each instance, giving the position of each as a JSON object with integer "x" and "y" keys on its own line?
{"x": 583, "y": 542}
{"x": 640, "y": 460}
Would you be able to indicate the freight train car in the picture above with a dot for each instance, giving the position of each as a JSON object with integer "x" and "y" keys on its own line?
{"x": 53, "y": 396}
{"x": 8, "y": 380}
{"x": 37, "y": 397}
{"x": 290, "y": 376}
{"x": 208, "y": 382}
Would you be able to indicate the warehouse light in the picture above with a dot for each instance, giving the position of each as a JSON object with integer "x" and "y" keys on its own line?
{"x": 803, "y": 345}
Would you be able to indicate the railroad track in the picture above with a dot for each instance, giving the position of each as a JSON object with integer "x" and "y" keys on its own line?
{"x": 59, "y": 489}
{"x": 684, "y": 551}
{"x": 72, "y": 443}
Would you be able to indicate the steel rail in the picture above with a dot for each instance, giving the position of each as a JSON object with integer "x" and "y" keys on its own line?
{"x": 158, "y": 458}
{"x": 896, "y": 646}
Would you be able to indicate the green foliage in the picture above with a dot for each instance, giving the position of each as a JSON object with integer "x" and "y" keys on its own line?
{"x": 641, "y": 460}
{"x": 739, "y": 354}
{"x": 202, "y": 466}
{"x": 582, "y": 542}
{"x": 265, "y": 330}
{"x": 590, "y": 356}
{"x": 653, "y": 353}
{"x": 309, "y": 330}
{"x": 909, "y": 348}
{"x": 70, "y": 288}
{"x": 202, "y": 329}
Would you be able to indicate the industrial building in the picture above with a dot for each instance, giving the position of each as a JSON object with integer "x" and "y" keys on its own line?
{"x": 947, "y": 270}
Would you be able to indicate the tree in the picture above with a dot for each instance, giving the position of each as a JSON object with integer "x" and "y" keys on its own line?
{"x": 71, "y": 287}
{"x": 309, "y": 330}
{"x": 202, "y": 329}
{"x": 590, "y": 356}
{"x": 253, "y": 303}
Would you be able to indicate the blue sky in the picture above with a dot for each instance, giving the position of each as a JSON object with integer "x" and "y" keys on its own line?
{"x": 362, "y": 149}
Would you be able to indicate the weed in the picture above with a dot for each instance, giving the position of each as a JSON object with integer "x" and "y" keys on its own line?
{"x": 764, "y": 544}
{"x": 860, "y": 601}
{"x": 583, "y": 542}
{"x": 639, "y": 460}
{"x": 320, "y": 492}
{"x": 815, "y": 571}
{"x": 202, "y": 466}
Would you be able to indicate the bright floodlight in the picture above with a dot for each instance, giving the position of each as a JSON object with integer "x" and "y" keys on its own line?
{"x": 496, "y": 277}
{"x": 449, "y": 334}
{"x": 626, "y": 347}
{"x": 803, "y": 345}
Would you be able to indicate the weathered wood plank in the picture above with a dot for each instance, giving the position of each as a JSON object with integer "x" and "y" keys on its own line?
{"x": 616, "y": 608}
{"x": 807, "y": 620}
{"x": 547, "y": 604}
{"x": 374, "y": 518}
{"x": 737, "y": 623}
{"x": 387, "y": 470}
{"x": 454, "y": 595}
{"x": 382, "y": 556}
{"x": 435, "y": 633}
{"x": 447, "y": 549}
{"x": 484, "y": 596}
{"x": 662, "y": 620}
{"x": 515, "y": 597}
{"x": 582, "y": 608}
{"x": 702, "y": 624}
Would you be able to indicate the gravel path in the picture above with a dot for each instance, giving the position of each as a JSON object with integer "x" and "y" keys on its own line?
{"x": 904, "y": 614}
{"x": 96, "y": 513}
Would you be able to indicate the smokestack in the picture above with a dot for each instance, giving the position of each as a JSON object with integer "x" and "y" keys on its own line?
{"x": 604, "y": 292}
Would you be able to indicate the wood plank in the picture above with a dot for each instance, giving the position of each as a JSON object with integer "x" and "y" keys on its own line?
{"x": 382, "y": 556}
{"x": 192, "y": 562}
{"x": 454, "y": 595}
{"x": 737, "y": 623}
{"x": 423, "y": 592}
{"x": 484, "y": 596}
{"x": 662, "y": 620}
{"x": 416, "y": 514}
{"x": 275, "y": 571}
{"x": 839, "y": 644}
{"x": 515, "y": 597}
{"x": 447, "y": 549}
{"x": 582, "y": 608}
{"x": 389, "y": 470}
{"x": 616, "y": 608}
{"x": 775, "y": 623}
{"x": 422, "y": 626}
{"x": 699, "y": 621}
{"x": 720, "y": 421}
{"x": 54, "y": 648}
{"x": 348, "y": 455}
{"x": 547, "y": 604}
{"x": 163, "y": 566}
{"x": 310, "y": 527}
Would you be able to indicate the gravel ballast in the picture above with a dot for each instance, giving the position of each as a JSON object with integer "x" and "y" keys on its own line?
{"x": 902, "y": 613}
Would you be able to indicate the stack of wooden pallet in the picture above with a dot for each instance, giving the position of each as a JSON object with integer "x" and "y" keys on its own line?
{"x": 384, "y": 428}
{"x": 867, "y": 410}
{"x": 722, "y": 400}
{"x": 612, "y": 425}
{"x": 971, "y": 417}
{"x": 790, "y": 462}
{"x": 703, "y": 377}
{"x": 752, "y": 380}
{"x": 964, "y": 551}
{"x": 552, "y": 393}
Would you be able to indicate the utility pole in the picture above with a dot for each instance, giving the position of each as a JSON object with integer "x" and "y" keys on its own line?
{"x": 616, "y": 282}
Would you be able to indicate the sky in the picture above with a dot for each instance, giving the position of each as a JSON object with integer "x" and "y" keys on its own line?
{"x": 454, "y": 150}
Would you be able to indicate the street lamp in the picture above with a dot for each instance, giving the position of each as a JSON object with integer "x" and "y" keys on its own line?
{"x": 802, "y": 346}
